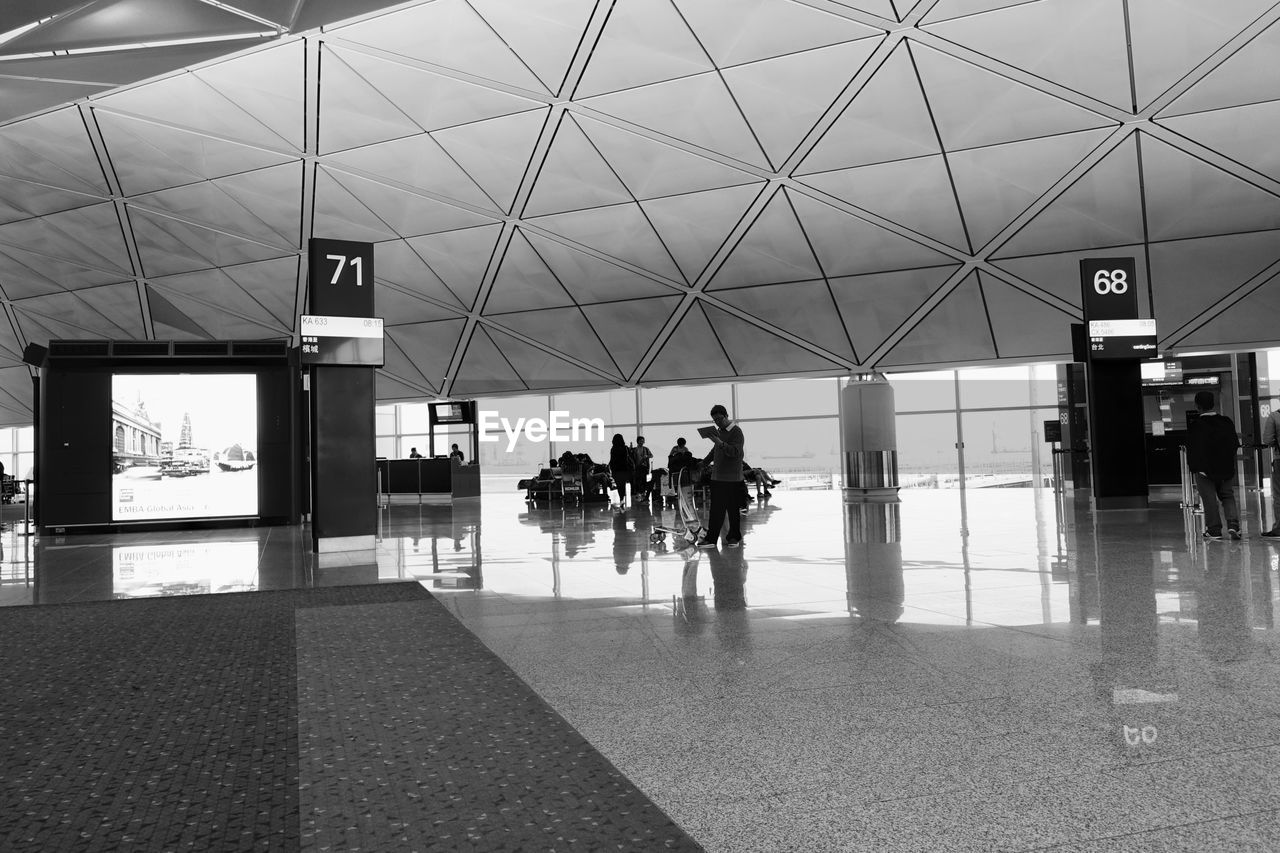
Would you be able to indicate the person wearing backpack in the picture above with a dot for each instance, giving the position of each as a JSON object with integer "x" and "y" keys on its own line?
{"x": 1212, "y": 442}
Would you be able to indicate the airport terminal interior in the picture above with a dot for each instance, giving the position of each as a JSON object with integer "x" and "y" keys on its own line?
{"x": 624, "y": 212}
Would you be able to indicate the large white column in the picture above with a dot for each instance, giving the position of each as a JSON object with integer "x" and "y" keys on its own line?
{"x": 869, "y": 439}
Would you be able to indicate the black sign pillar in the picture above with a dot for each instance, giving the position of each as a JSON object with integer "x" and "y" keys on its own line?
{"x": 344, "y": 485}
{"x": 1117, "y": 437}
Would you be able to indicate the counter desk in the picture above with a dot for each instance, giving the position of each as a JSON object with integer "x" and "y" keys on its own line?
{"x": 403, "y": 480}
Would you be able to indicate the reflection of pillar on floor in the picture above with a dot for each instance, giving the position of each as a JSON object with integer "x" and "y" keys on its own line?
{"x": 873, "y": 560}
{"x": 869, "y": 439}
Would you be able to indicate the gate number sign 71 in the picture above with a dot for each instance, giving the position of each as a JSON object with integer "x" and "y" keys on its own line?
{"x": 342, "y": 261}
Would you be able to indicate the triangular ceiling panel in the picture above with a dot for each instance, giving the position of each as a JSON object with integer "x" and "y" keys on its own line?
{"x": 1190, "y": 277}
{"x": 957, "y": 326}
{"x": 782, "y": 98}
{"x": 188, "y": 101}
{"x": 573, "y": 176}
{"x": 524, "y": 282}
{"x": 1171, "y": 37}
{"x": 431, "y": 100}
{"x": 407, "y": 213}
{"x": 147, "y": 156}
{"x": 539, "y": 368}
{"x": 389, "y": 388}
{"x": 248, "y": 289}
{"x": 883, "y": 8}
{"x": 916, "y": 194}
{"x": 415, "y": 161}
{"x": 52, "y": 149}
{"x": 1059, "y": 274}
{"x": 1024, "y": 326}
{"x": 620, "y": 231}
{"x": 222, "y": 324}
{"x": 739, "y": 31}
{"x": 1249, "y": 321}
{"x": 117, "y": 304}
{"x": 447, "y": 33}
{"x": 126, "y": 22}
{"x": 997, "y": 182}
{"x": 495, "y": 153}
{"x": 973, "y": 106}
{"x": 543, "y": 33}
{"x": 887, "y": 120}
{"x": 590, "y": 279}
{"x": 24, "y": 199}
{"x": 874, "y": 306}
{"x": 755, "y": 351}
{"x": 21, "y": 97}
{"x": 1245, "y": 77}
{"x": 1244, "y": 134}
{"x": 570, "y": 329}
{"x": 691, "y": 352}
{"x": 1187, "y": 197}
{"x": 772, "y": 250}
{"x": 31, "y": 274}
{"x": 272, "y": 284}
{"x": 642, "y": 43}
{"x": 630, "y": 327}
{"x": 397, "y": 364}
{"x": 650, "y": 168}
{"x": 398, "y": 264}
{"x": 90, "y": 236}
{"x": 484, "y": 369}
{"x": 340, "y": 215}
{"x": 429, "y": 346}
{"x": 47, "y": 318}
{"x": 459, "y": 258}
{"x": 405, "y": 307}
{"x": 167, "y": 246}
{"x": 233, "y": 205}
{"x": 353, "y": 112}
{"x": 708, "y": 117}
{"x": 1102, "y": 208}
{"x": 695, "y": 226}
{"x": 847, "y": 245}
{"x": 267, "y": 84}
{"x": 802, "y": 308}
{"x": 948, "y": 9}
{"x": 169, "y": 321}
{"x": 1079, "y": 44}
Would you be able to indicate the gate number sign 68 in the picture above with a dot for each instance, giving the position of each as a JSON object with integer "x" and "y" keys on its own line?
{"x": 1110, "y": 281}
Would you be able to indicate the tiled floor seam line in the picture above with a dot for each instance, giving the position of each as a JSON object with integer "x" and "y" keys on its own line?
{"x": 1075, "y": 843}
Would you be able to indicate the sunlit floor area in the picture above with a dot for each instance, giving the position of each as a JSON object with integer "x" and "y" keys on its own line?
{"x": 994, "y": 669}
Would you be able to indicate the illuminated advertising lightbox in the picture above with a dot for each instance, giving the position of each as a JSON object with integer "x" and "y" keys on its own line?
{"x": 183, "y": 446}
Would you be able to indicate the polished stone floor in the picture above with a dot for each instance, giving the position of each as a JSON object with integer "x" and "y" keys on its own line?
{"x": 997, "y": 669}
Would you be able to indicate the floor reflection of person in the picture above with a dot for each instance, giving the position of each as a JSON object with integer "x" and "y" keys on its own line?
{"x": 625, "y": 545}
{"x": 1222, "y": 613}
{"x": 728, "y": 579}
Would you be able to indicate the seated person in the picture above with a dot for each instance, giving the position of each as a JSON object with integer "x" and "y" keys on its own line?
{"x": 760, "y": 477}
{"x": 414, "y": 454}
{"x": 455, "y": 453}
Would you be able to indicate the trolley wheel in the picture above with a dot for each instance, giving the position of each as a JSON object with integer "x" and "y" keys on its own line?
{"x": 657, "y": 537}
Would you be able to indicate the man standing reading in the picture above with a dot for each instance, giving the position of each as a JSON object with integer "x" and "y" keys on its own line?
{"x": 726, "y": 477}
{"x": 1211, "y": 455}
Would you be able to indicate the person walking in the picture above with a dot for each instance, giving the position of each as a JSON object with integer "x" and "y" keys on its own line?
{"x": 726, "y": 479}
{"x": 1212, "y": 442}
{"x": 621, "y": 466}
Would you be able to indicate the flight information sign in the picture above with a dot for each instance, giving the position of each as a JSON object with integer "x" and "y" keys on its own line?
{"x": 348, "y": 341}
{"x": 1122, "y": 338}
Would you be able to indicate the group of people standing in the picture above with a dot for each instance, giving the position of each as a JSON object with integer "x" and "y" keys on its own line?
{"x": 633, "y": 464}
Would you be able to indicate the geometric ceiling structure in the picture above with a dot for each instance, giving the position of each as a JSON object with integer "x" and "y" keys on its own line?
{"x": 591, "y": 193}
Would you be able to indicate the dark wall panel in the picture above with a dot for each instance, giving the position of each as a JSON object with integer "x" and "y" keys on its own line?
{"x": 75, "y": 471}
{"x": 345, "y": 484}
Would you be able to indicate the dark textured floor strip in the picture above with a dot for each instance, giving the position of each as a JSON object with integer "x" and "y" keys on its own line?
{"x": 404, "y": 713}
{"x": 172, "y": 724}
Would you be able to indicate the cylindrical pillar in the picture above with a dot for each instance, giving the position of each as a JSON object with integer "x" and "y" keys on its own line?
{"x": 869, "y": 439}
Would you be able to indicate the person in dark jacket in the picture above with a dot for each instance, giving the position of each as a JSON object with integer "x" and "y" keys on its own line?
{"x": 1211, "y": 455}
{"x": 726, "y": 479}
{"x": 621, "y": 466}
